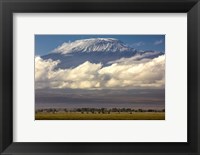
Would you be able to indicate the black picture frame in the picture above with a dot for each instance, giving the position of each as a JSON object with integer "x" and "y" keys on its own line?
{"x": 8, "y": 7}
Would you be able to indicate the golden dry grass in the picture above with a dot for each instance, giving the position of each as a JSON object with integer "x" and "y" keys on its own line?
{"x": 90, "y": 116}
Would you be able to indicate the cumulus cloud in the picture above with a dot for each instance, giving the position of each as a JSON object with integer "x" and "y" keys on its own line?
{"x": 125, "y": 73}
{"x": 138, "y": 58}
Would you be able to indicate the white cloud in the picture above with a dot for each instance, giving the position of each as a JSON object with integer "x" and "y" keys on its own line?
{"x": 43, "y": 67}
{"x": 138, "y": 58}
{"x": 158, "y": 42}
{"x": 124, "y": 74}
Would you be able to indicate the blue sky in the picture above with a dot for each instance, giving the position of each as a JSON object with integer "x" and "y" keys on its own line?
{"x": 45, "y": 44}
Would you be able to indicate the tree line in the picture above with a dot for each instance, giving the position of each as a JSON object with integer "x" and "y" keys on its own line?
{"x": 97, "y": 110}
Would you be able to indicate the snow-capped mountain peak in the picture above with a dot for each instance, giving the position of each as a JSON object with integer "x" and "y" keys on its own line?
{"x": 93, "y": 45}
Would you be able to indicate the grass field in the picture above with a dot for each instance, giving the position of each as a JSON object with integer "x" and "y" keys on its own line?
{"x": 90, "y": 116}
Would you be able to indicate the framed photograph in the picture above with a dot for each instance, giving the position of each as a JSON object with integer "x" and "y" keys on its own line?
{"x": 99, "y": 77}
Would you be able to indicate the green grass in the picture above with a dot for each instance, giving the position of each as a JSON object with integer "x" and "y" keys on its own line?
{"x": 90, "y": 116}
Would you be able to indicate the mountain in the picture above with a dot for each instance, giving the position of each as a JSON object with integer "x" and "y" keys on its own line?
{"x": 93, "y": 45}
{"x": 94, "y": 50}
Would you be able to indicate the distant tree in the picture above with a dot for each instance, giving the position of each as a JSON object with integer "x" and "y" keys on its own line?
{"x": 114, "y": 110}
{"x": 140, "y": 110}
{"x": 92, "y": 110}
{"x": 103, "y": 110}
{"x": 128, "y": 110}
{"x": 54, "y": 111}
